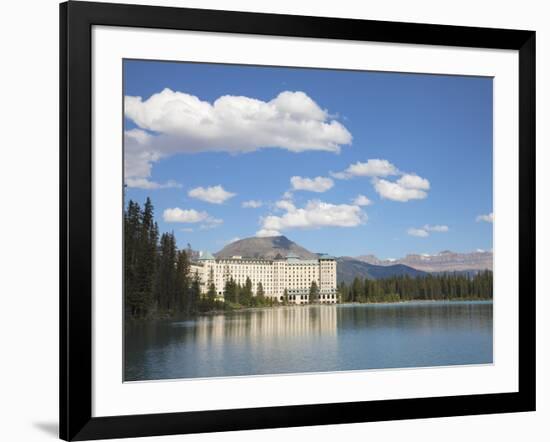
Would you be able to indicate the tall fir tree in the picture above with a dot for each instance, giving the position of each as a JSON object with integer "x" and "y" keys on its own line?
{"x": 211, "y": 292}
{"x": 246, "y": 293}
{"x": 132, "y": 228}
{"x": 313, "y": 292}
{"x": 260, "y": 295}
{"x": 194, "y": 293}
{"x": 165, "y": 287}
{"x": 141, "y": 237}
{"x": 229, "y": 292}
{"x": 146, "y": 263}
{"x": 182, "y": 282}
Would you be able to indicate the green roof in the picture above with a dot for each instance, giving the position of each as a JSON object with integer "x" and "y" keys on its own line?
{"x": 325, "y": 256}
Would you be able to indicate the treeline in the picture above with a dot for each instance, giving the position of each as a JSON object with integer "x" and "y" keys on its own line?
{"x": 156, "y": 274}
{"x": 430, "y": 287}
{"x": 237, "y": 295}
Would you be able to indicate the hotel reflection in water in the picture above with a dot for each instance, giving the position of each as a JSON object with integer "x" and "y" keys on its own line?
{"x": 269, "y": 323}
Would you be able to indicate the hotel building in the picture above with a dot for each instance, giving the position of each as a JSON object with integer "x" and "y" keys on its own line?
{"x": 291, "y": 273}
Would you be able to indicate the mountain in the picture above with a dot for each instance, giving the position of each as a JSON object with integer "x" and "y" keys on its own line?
{"x": 347, "y": 268}
{"x": 267, "y": 247}
{"x": 445, "y": 261}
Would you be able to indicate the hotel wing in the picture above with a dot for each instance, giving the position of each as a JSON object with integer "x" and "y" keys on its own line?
{"x": 292, "y": 273}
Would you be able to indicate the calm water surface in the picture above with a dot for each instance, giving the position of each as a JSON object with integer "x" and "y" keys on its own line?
{"x": 312, "y": 339}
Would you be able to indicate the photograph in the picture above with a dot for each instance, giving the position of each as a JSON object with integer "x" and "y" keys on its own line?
{"x": 283, "y": 220}
{"x": 266, "y": 221}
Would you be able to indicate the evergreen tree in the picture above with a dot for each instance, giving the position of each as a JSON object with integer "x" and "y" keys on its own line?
{"x": 211, "y": 292}
{"x": 165, "y": 288}
{"x": 238, "y": 290}
{"x": 194, "y": 293}
{"x": 313, "y": 293}
{"x": 132, "y": 229}
{"x": 260, "y": 295}
{"x": 230, "y": 291}
{"x": 356, "y": 290}
{"x": 246, "y": 293}
{"x": 141, "y": 237}
{"x": 182, "y": 282}
{"x": 343, "y": 292}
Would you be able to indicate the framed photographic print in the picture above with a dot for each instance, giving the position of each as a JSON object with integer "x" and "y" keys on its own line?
{"x": 272, "y": 220}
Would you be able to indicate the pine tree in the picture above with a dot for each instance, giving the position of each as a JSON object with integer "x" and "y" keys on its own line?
{"x": 165, "y": 287}
{"x": 141, "y": 236}
{"x": 260, "y": 295}
{"x": 246, "y": 293}
{"x": 343, "y": 292}
{"x": 229, "y": 291}
{"x": 132, "y": 228}
{"x": 194, "y": 293}
{"x": 182, "y": 282}
{"x": 313, "y": 293}
{"x": 211, "y": 292}
{"x": 356, "y": 289}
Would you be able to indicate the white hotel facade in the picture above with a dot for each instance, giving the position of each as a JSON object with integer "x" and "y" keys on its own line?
{"x": 291, "y": 273}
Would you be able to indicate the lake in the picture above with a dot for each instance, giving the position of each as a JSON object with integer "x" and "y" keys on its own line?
{"x": 316, "y": 338}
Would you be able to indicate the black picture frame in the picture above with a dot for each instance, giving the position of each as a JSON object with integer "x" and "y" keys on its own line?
{"x": 76, "y": 21}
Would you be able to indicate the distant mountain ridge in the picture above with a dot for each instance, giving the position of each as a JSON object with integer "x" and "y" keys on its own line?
{"x": 445, "y": 261}
{"x": 347, "y": 268}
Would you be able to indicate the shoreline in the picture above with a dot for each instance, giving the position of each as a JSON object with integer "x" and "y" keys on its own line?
{"x": 167, "y": 316}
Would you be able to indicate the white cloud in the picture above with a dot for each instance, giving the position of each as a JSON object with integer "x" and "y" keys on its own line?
{"x": 318, "y": 184}
{"x": 424, "y": 231}
{"x": 418, "y": 232}
{"x": 138, "y": 158}
{"x": 177, "y": 215}
{"x": 233, "y": 240}
{"x": 409, "y": 185}
{"x": 145, "y": 183}
{"x": 185, "y": 124}
{"x": 489, "y": 218}
{"x": 187, "y": 229}
{"x": 213, "y": 194}
{"x": 191, "y": 216}
{"x": 436, "y": 228}
{"x": 413, "y": 181}
{"x": 285, "y": 205}
{"x": 398, "y": 192}
{"x": 362, "y": 200}
{"x": 315, "y": 214}
{"x": 138, "y": 136}
{"x": 252, "y": 204}
{"x": 372, "y": 168}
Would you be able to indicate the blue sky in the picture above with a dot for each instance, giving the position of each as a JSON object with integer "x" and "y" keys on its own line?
{"x": 419, "y": 147}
